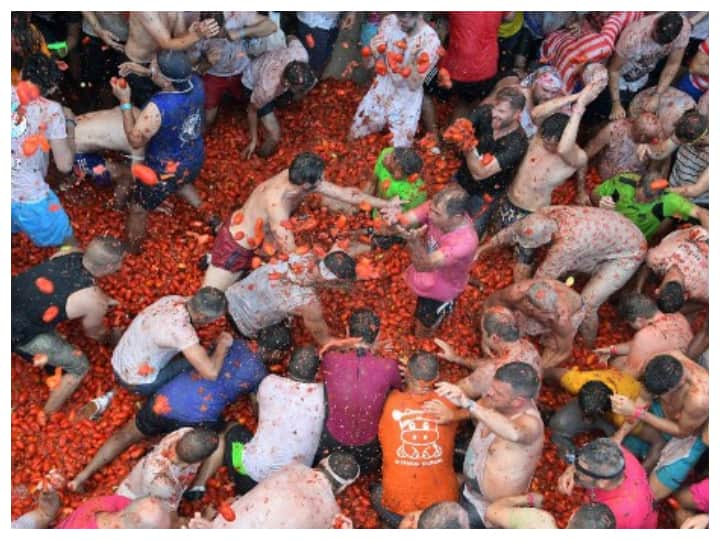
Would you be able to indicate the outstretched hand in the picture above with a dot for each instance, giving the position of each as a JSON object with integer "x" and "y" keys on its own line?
{"x": 453, "y": 394}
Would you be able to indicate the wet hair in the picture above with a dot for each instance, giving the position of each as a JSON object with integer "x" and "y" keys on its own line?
{"x": 409, "y": 160}
{"x": 424, "y": 366}
{"x": 196, "y": 445}
{"x": 671, "y": 297}
{"x": 512, "y": 96}
{"x": 594, "y": 399}
{"x": 175, "y": 66}
{"x": 455, "y": 198}
{"x": 662, "y": 373}
{"x": 602, "y": 457}
{"x": 542, "y": 296}
{"x": 209, "y": 302}
{"x": 553, "y": 126}
{"x": 522, "y": 377}
{"x": 635, "y": 305}
{"x": 667, "y": 27}
{"x": 500, "y": 324}
{"x": 105, "y": 251}
{"x": 594, "y": 515}
{"x": 690, "y": 126}
{"x": 444, "y": 515}
{"x": 306, "y": 168}
{"x": 304, "y": 363}
{"x": 365, "y": 324}
{"x": 341, "y": 264}
{"x": 344, "y": 465}
{"x": 42, "y": 71}
{"x": 299, "y": 75}
{"x": 275, "y": 338}
{"x": 218, "y": 16}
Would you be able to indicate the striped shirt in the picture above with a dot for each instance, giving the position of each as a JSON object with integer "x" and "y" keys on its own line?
{"x": 690, "y": 162}
{"x": 701, "y": 82}
{"x": 565, "y": 50}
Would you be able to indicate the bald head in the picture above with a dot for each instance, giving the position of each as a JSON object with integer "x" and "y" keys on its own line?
{"x": 646, "y": 128}
{"x": 146, "y": 513}
{"x": 104, "y": 255}
{"x": 444, "y": 515}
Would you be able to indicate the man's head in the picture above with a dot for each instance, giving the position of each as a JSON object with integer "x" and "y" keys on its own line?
{"x": 337, "y": 267}
{"x": 304, "y": 364}
{"x": 637, "y": 310}
{"x": 600, "y": 464}
{"x": 364, "y": 323}
{"x": 423, "y": 369}
{"x": 171, "y": 69}
{"x": 667, "y": 28}
{"x": 594, "y": 399}
{"x": 273, "y": 342}
{"x": 509, "y": 104}
{"x": 534, "y": 231}
{"x": 671, "y": 297}
{"x": 206, "y": 306}
{"x": 43, "y": 72}
{"x": 692, "y": 128}
{"x": 307, "y": 170}
{"x": 662, "y": 374}
{"x": 551, "y": 131}
{"x": 444, "y": 515}
{"x": 513, "y": 386}
{"x": 145, "y": 513}
{"x": 408, "y": 20}
{"x": 543, "y": 297}
{"x": 403, "y": 162}
{"x": 196, "y": 445}
{"x": 448, "y": 208}
{"x": 498, "y": 327}
{"x": 594, "y": 515}
{"x": 104, "y": 256}
{"x": 646, "y": 128}
{"x": 300, "y": 78}
{"x": 341, "y": 468}
{"x": 546, "y": 85}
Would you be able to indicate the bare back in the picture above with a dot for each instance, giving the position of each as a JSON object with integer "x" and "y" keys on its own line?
{"x": 695, "y": 401}
{"x": 141, "y": 46}
{"x": 619, "y": 154}
{"x": 102, "y": 130}
{"x": 669, "y": 332}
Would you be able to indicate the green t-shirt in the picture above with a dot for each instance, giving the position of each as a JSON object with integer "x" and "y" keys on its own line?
{"x": 411, "y": 193}
{"x": 646, "y": 215}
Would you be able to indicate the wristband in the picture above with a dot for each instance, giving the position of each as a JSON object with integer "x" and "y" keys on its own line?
{"x": 126, "y": 106}
{"x": 638, "y": 412}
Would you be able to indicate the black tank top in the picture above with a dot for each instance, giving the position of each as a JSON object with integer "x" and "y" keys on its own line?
{"x": 39, "y": 295}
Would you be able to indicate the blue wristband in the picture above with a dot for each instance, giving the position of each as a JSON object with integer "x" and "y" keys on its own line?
{"x": 126, "y": 106}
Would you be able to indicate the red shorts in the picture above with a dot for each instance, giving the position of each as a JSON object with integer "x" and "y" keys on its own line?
{"x": 228, "y": 254}
{"x": 217, "y": 87}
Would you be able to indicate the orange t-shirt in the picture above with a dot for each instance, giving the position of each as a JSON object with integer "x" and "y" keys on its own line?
{"x": 417, "y": 454}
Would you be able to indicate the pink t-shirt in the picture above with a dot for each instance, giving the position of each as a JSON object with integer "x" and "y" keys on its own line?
{"x": 458, "y": 247}
{"x": 632, "y": 501}
{"x": 84, "y": 515}
{"x": 701, "y": 495}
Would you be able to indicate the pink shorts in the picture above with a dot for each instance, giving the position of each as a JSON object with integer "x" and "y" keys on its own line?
{"x": 701, "y": 495}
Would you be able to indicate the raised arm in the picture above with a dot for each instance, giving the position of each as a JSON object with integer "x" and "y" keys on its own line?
{"x": 209, "y": 366}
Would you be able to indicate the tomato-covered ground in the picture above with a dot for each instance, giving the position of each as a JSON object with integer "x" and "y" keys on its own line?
{"x": 168, "y": 265}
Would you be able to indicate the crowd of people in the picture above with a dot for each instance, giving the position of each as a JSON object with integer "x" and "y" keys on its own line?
{"x": 547, "y": 96}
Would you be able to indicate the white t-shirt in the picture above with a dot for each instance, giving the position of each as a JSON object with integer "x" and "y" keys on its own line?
{"x": 295, "y": 497}
{"x": 27, "y": 174}
{"x": 156, "y": 474}
{"x": 325, "y": 20}
{"x": 158, "y": 333}
{"x": 291, "y": 417}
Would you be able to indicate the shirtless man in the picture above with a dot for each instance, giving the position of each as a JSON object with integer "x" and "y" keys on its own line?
{"x": 682, "y": 261}
{"x": 150, "y": 32}
{"x": 673, "y": 104}
{"x": 679, "y": 411}
{"x": 508, "y": 440}
{"x": 501, "y": 344}
{"x": 117, "y": 512}
{"x": 266, "y": 212}
{"x": 656, "y": 332}
{"x": 525, "y": 512}
{"x": 543, "y": 307}
{"x": 594, "y": 241}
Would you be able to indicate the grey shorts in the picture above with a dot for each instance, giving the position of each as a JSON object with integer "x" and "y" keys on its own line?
{"x": 59, "y": 352}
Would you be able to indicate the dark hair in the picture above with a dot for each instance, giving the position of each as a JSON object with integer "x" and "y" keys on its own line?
{"x": 671, "y": 297}
{"x": 42, "y": 71}
{"x": 635, "y": 305}
{"x": 365, "y": 324}
{"x": 304, "y": 363}
{"x": 594, "y": 399}
{"x": 455, "y": 198}
{"x": 662, "y": 373}
{"x": 553, "y": 126}
{"x": 196, "y": 445}
{"x": 306, "y": 168}
{"x": 690, "y": 126}
{"x": 344, "y": 465}
{"x": 444, "y": 515}
{"x": 218, "y": 16}
{"x": 209, "y": 302}
{"x": 299, "y": 75}
{"x": 602, "y": 457}
{"x": 408, "y": 159}
{"x": 424, "y": 366}
{"x": 500, "y": 324}
{"x": 275, "y": 338}
{"x": 522, "y": 377}
{"x": 667, "y": 27}
{"x": 175, "y": 66}
{"x": 594, "y": 515}
{"x": 512, "y": 96}
{"x": 341, "y": 264}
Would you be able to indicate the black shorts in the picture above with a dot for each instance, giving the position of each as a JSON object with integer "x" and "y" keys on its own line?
{"x": 466, "y": 91}
{"x": 237, "y": 434}
{"x": 368, "y": 456}
{"x": 432, "y": 312}
{"x": 507, "y": 214}
{"x": 142, "y": 88}
{"x": 150, "y": 197}
{"x": 151, "y": 424}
